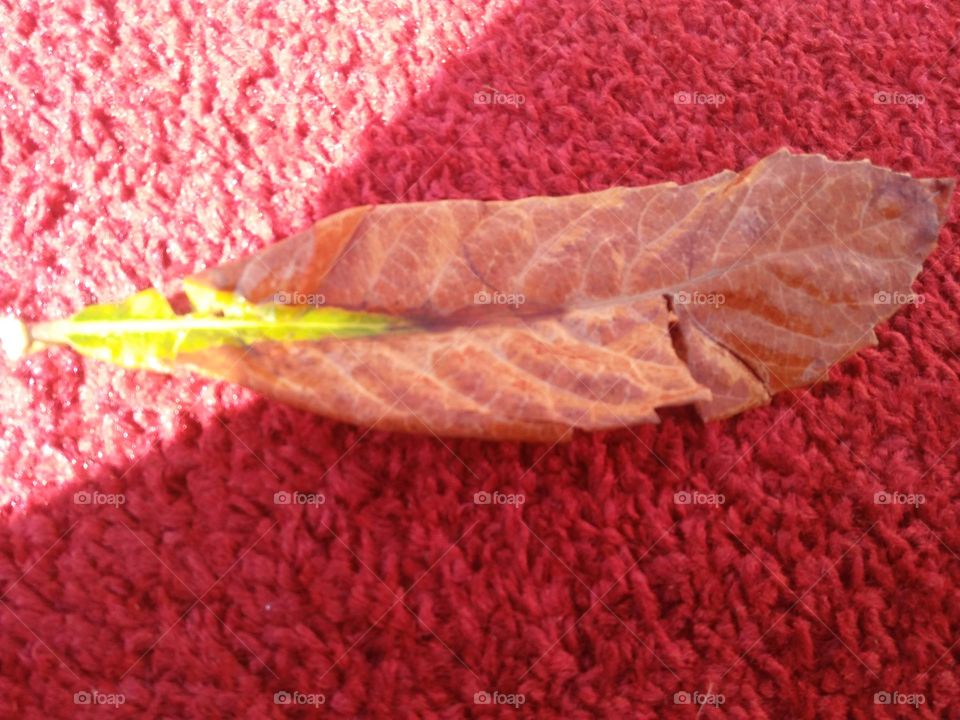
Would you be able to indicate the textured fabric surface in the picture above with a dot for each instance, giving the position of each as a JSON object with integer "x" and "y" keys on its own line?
{"x": 144, "y": 554}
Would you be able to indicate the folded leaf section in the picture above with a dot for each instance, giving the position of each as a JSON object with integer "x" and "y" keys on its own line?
{"x": 531, "y": 379}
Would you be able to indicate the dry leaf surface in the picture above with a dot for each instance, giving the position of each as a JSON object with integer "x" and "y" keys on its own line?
{"x": 540, "y": 315}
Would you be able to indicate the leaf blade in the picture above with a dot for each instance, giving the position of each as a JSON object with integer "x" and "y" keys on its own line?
{"x": 797, "y": 270}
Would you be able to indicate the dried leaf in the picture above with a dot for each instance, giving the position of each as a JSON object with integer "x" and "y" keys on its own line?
{"x": 524, "y": 319}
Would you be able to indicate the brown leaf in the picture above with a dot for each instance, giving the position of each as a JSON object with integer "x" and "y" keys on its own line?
{"x": 590, "y": 311}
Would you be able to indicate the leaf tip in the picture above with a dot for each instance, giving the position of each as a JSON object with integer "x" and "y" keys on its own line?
{"x": 14, "y": 337}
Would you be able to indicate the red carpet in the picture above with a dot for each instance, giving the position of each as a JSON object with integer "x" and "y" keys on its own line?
{"x": 141, "y": 141}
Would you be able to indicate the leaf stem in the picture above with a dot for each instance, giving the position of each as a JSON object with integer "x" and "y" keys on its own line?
{"x": 59, "y": 331}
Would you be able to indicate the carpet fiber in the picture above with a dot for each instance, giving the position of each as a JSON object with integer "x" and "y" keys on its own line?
{"x": 148, "y": 565}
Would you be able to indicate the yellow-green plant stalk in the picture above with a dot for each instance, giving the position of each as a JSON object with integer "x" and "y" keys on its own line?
{"x": 143, "y": 331}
